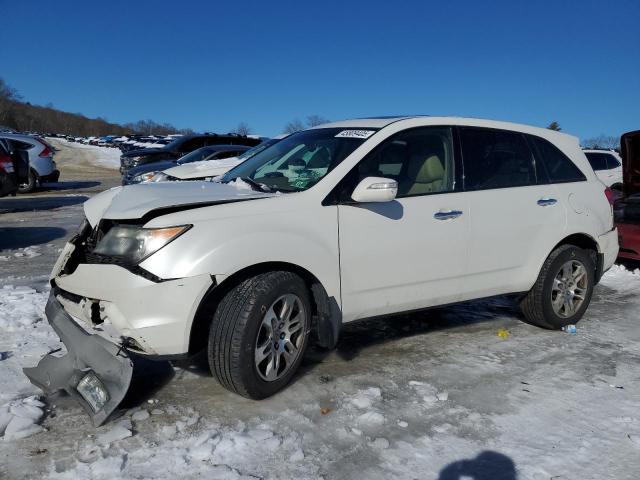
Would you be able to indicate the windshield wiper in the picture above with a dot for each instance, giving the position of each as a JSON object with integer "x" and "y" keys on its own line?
{"x": 261, "y": 187}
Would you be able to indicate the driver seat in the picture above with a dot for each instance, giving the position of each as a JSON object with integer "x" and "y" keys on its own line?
{"x": 424, "y": 175}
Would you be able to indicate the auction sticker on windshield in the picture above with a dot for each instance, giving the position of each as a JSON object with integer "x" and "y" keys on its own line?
{"x": 355, "y": 134}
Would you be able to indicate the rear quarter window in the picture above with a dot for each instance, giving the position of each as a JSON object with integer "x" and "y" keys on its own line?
{"x": 17, "y": 144}
{"x": 552, "y": 165}
{"x": 598, "y": 161}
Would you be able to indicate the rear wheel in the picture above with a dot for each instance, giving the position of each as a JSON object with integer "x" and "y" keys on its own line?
{"x": 259, "y": 333}
{"x": 31, "y": 183}
{"x": 563, "y": 289}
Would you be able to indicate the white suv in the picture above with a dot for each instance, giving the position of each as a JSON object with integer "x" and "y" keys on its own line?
{"x": 340, "y": 222}
{"x": 607, "y": 165}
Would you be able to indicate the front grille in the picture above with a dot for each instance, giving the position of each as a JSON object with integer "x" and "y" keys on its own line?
{"x": 97, "y": 258}
{"x": 68, "y": 295}
{"x": 85, "y": 242}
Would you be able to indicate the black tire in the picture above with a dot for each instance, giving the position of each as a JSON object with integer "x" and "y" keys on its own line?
{"x": 537, "y": 304}
{"x": 235, "y": 328}
{"x": 30, "y": 186}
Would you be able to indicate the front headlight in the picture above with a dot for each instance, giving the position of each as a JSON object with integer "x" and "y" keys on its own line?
{"x": 160, "y": 177}
{"x": 144, "y": 177}
{"x": 134, "y": 244}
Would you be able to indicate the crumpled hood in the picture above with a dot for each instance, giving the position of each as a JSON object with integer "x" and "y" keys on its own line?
{"x": 203, "y": 168}
{"x": 135, "y": 201}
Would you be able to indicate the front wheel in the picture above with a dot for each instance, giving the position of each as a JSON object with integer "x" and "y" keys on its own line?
{"x": 259, "y": 333}
{"x": 563, "y": 289}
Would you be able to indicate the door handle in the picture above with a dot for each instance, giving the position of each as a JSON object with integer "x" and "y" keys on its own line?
{"x": 545, "y": 202}
{"x": 447, "y": 215}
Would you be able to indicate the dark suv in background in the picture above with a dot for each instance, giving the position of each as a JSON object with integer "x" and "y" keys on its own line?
{"x": 179, "y": 147}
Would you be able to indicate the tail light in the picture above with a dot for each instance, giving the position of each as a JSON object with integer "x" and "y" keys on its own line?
{"x": 46, "y": 152}
{"x": 6, "y": 166}
{"x": 609, "y": 194}
{"x": 611, "y": 198}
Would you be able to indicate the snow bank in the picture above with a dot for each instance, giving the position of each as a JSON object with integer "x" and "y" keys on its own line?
{"x": 240, "y": 184}
{"x": 28, "y": 252}
{"x": 19, "y": 419}
{"x": 101, "y": 156}
{"x": 622, "y": 280}
{"x": 20, "y": 308}
{"x": 24, "y": 338}
{"x": 189, "y": 448}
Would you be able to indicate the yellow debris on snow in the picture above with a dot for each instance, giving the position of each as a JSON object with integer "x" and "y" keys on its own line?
{"x": 503, "y": 333}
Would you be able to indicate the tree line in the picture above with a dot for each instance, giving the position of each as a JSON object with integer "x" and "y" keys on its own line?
{"x": 601, "y": 141}
{"x": 22, "y": 116}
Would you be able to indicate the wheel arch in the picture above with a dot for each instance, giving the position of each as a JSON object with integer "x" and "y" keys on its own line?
{"x": 326, "y": 314}
{"x": 586, "y": 242}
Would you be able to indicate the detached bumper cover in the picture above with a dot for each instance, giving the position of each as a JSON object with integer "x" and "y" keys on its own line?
{"x": 86, "y": 353}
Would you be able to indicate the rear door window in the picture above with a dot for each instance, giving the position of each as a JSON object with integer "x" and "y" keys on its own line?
{"x": 495, "y": 159}
{"x": 552, "y": 165}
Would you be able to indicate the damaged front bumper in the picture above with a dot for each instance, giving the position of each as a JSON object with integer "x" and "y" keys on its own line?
{"x": 94, "y": 371}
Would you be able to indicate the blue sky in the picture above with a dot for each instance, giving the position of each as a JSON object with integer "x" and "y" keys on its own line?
{"x": 210, "y": 65}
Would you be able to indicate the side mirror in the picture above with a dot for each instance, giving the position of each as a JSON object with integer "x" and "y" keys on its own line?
{"x": 375, "y": 189}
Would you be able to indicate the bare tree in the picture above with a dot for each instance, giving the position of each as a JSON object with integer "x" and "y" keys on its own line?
{"x": 313, "y": 120}
{"x": 294, "y": 126}
{"x": 243, "y": 128}
{"x": 554, "y": 126}
{"x": 602, "y": 141}
{"x": 8, "y": 97}
{"x": 297, "y": 125}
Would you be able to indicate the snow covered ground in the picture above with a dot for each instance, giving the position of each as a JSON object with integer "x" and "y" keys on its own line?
{"x": 435, "y": 395}
{"x": 100, "y": 156}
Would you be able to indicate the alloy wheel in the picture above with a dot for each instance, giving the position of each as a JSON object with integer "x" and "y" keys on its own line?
{"x": 280, "y": 337}
{"x": 569, "y": 288}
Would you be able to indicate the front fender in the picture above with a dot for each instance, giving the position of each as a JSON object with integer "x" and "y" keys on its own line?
{"x": 228, "y": 245}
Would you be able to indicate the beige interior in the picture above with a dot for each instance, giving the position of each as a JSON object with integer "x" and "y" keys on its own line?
{"x": 424, "y": 175}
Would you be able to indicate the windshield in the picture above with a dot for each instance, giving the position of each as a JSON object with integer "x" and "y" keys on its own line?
{"x": 301, "y": 160}
{"x": 196, "y": 155}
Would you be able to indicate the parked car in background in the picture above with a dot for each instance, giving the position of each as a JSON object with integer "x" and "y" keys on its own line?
{"x": 340, "y": 222}
{"x": 607, "y": 164}
{"x": 146, "y": 172}
{"x": 210, "y": 167}
{"x": 20, "y": 159}
{"x": 8, "y": 176}
{"x": 180, "y": 147}
{"x": 627, "y": 207}
{"x": 42, "y": 168}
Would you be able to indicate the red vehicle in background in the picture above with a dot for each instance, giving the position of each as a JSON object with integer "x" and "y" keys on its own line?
{"x": 627, "y": 208}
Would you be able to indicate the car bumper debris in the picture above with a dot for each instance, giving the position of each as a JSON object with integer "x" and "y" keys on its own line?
{"x": 94, "y": 371}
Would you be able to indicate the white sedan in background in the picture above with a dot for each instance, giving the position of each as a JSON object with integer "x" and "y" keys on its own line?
{"x": 206, "y": 169}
